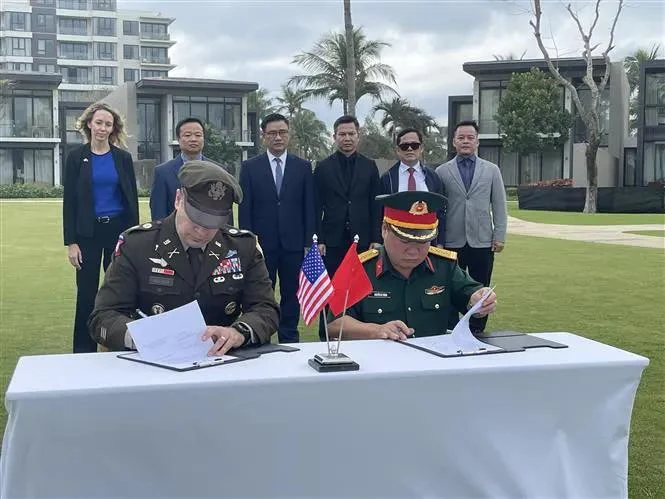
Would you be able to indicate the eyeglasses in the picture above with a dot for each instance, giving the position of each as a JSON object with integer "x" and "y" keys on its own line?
{"x": 274, "y": 133}
{"x": 409, "y": 145}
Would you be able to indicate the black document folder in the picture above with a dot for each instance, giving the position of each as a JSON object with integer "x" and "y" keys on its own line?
{"x": 514, "y": 341}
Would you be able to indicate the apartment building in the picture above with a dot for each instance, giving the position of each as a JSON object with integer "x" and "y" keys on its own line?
{"x": 649, "y": 166}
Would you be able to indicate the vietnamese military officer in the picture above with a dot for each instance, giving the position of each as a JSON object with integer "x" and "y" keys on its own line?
{"x": 415, "y": 286}
{"x": 190, "y": 255}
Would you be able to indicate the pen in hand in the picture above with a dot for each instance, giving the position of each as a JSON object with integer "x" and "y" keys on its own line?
{"x": 140, "y": 312}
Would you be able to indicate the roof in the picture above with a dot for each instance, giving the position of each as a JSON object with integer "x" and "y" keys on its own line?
{"x": 569, "y": 66}
{"x": 166, "y": 85}
{"x": 32, "y": 79}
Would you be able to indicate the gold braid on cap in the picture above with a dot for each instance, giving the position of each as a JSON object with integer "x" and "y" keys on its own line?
{"x": 411, "y": 236}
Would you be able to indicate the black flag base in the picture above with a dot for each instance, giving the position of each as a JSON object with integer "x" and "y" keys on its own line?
{"x": 330, "y": 363}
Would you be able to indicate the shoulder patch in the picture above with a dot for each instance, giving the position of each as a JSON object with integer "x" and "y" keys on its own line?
{"x": 450, "y": 255}
{"x": 368, "y": 255}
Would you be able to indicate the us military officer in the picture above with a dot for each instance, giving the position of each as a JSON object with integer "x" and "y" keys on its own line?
{"x": 415, "y": 285}
{"x": 190, "y": 255}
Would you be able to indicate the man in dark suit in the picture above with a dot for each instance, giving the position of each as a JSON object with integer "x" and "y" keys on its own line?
{"x": 189, "y": 133}
{"x": 409, "y": 174}
{"x": 345, "y": 185}
{"x": 278, "y": 206}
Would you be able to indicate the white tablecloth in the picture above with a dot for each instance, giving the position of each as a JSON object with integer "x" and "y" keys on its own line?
{"x": 539, "y": 423}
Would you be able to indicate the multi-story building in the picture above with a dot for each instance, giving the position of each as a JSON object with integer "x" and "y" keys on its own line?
{"x": 650, "y": 126}
{"x": 90, "y": 43}
{"x": 568, "y": 161}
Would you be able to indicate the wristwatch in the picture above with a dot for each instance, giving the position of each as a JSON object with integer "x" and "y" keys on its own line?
{"x": 244, "y": 329}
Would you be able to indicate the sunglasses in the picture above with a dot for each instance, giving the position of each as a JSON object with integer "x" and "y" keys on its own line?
{"x": 409, "y": 145}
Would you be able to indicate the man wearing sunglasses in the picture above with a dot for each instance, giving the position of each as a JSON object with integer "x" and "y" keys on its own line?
{"x": 477, "y": 217}
{"x": 409, "y": 174}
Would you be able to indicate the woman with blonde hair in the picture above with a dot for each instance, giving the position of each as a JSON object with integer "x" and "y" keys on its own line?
{"x": 100, "y": 201}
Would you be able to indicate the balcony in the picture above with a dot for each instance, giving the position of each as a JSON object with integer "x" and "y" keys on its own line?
{"x": 148, "y": 35}
{"x": 160, "y": 60}
{"x": 73, "y": 31}
{"x": 12, "y": 129}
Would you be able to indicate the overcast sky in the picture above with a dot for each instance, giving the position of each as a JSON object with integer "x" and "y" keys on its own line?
{"x": 430, "y": 40}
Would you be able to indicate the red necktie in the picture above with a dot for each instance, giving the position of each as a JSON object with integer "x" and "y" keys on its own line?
{"x": 412, "y": 180}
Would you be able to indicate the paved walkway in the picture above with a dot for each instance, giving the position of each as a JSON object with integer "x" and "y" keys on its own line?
{"x": 607, "y": 234}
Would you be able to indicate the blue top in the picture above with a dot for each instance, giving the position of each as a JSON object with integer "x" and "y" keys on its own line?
{"x": 466, "y": 167}
{"x": 105, "y": 186}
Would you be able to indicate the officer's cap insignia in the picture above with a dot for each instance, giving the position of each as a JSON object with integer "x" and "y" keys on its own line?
{"x": 419, "y": 208}
{"x": 435, "y": 290}
{"x": 217, "y": 191}
{"x": 157, "y": 308}
{"x": 230, "y": 308}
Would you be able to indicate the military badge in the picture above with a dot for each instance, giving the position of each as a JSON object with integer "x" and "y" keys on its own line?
{"x": 230, "y": 308}
{"x": 435, "y": 290}
{"x": 231, "y": 253}
{"x": 238, "y": 276}
{"x": 219, "y": 279}
{"x": 217, "y": 191}
{"x": 157, "y": 308}
{"x": 158, "y": 270}
{"x": 212, "y": 253}
{"x": 118, "y": 245}
{"x": 158, "y": 261}
{"x": 379, "y": 294}
{"x": 419, "y": 208}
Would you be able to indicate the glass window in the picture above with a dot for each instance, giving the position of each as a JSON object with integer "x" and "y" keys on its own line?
{"x": 130, "y": 51}
{"x": 19, "y": 46}
{"x": 73, "y": 4}
{"x": 130, "y": 28}
{"x": 44, "y": 3}
{"x": 464, "y": 112}
{"x": 103, "y": 5}
{"x": 131, "y": 74}
{"x": 154, "y": 31}
{"x": 106, "y": 51}
{"x": 530, "y": 168}
{"x": 75, "y": 75}
{"x": 232, "y": 123}
{"x": 45, "y": 68}
{"x": 655, "y": 90}
{"x": 17, "y": 21}
{"x": 180, "y": 111}
{"x": 22, "y": 116}
{"x": 154, "y": 54}
{"x": 149, "y": 137}
{"x": 105, "y": 26}
{"x": 629, "y": 162}
{"x": 148, "y": 73}
{"x": 509, "y": 165}
{"x": 654, "y": 161}
{"x": 106, "y": 75}
{"x": 489, "y": 153}
{"x": 73, "y": 50}
{"x": 216, "y": 115}
{"x": 579, "y": 132}
{"x": 72, "y": 26}
{"x": 43, "y": 22}
{"x": 489, "y": 106}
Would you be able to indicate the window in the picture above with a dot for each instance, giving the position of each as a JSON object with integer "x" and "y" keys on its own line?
{"x": 103, "y": 5}
{"x": 19, "y": 66}
{"x": 509, "y": 166}
{"x": 654, "y": 162}
{"x": 18, "y": 46}
{"x": 629, "y": 163}
{"x": 131, "y": 51}
{"x": 46, "y": 48}
{"x": 43, "y": 23}
{"x": 156, "y": 55}
{"x": 17, "y": 21}
{"x": 44, "y": 3}
{"x": 579, "y": 132}
{"x": 80, "y": 75}
{"x": 21, "y": 166}
{"x": 654, "y": 102}
{"x": 154, "y": 31}
{"x": 29, "y": 114}
{"x": 489, "y": 106}
{"x": 130, "y": 28}
{"x": 149, "y": 139}
{"x": 464, "y": 112}
{"x": 45, "y": 68}
{"x": 106, "y": 51}
{"x": 72, "y": 135}
{"x": 73, "y": 4}
{"x": 73, "y": 50}
{"x": 131, "y": 74}
{"x": 106, "y": 75}
{"x": 105, "y": 26}
{"x": 223, "y": 113}
{"x": 147, "y": 73}
{"x": 72, "y": 26}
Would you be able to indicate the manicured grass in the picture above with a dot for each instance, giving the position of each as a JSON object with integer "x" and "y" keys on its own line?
{"x": 574, "y": 218}
{"x": 655, "y": 233}
{"x": 612, "y": 294}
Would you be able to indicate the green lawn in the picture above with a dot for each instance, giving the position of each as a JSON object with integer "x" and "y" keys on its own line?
{"x": 575, "y": 218}
{"x": 655, "y": 233}
{"x": 612, "y": 294}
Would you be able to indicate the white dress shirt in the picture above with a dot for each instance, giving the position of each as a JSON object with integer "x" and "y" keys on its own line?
{"x": 418, "y": 174}
{"x": 273, "y": 166}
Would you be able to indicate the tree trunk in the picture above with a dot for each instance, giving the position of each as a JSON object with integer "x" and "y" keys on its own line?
{"x": 591, "y": 174}
{"x": 350, "y": 60}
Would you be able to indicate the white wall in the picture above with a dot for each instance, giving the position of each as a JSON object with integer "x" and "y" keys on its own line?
{"x": 607, "y": 167}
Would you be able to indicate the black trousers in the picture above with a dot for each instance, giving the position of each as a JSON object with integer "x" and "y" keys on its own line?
{"x": 479, "y": 262}
{"x": 286, "y": 265}
{"x": 95, "y": 250}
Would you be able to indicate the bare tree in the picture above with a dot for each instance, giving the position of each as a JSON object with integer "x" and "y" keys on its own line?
{"x": 588, "y": 113}
{"x": 350, "y": 59}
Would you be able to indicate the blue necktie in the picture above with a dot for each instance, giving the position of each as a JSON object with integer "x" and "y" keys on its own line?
{"x": 279, "y": 174}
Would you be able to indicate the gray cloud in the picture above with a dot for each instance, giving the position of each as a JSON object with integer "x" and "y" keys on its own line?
{"x": 256, "y": 40}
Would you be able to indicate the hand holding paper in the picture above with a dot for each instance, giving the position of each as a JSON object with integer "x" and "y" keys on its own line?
{"x": 483, "y": 302}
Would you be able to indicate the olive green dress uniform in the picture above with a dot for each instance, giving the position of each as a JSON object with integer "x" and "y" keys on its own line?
{"x": 435, "y": 289}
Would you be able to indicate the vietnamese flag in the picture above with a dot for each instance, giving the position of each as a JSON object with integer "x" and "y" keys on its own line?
{"x": 350, "y": 278}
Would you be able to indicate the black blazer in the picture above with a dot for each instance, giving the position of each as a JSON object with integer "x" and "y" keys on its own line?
{"x": 390, "y": 185}
{"x": 337, "y": 203}
{"x": 285, "y": 221}
{"x": 78, "y": 206}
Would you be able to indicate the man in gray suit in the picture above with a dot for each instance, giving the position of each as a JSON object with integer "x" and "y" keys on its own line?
{"x": 476, "y": 220}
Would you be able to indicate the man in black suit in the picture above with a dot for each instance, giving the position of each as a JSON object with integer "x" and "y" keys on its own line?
{"x": 278, "y": 206}
{"x": 409, "y": 174}
{"x": 345, "y": 185}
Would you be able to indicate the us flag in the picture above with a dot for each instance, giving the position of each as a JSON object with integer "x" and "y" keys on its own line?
{"x": 314, "y": 288}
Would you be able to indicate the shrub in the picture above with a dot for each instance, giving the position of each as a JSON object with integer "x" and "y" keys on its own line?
{"x": 555, "y": 182}
{"x": 511, "y": 193}
{"x": 30, "y": 191}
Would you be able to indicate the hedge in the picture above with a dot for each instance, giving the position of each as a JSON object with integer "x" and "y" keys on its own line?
{"x": 15, "y": 191}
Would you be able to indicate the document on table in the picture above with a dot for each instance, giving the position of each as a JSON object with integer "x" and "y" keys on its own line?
{"x": 173, "y": 337}
{"x": 461, "y": 341}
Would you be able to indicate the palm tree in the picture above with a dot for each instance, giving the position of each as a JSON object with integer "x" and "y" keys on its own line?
{"x": 259, "y": 102}
{"x": 399, "y": 113}
{"x": 309, "y": 135}
{"x": 290, "y": 101}
{"x": 509, "y": 57}
{"x": 326, "y": 65}
{"x": 632, "y": 64}
{"x": 350, "y": 60}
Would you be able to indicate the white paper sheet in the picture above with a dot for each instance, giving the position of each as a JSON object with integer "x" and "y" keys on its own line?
{"x": 209, "y": 361}
{"x": 173, "y": 337}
